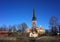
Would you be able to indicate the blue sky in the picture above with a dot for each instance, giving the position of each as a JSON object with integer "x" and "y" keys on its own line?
{"x": 19, "y": 11}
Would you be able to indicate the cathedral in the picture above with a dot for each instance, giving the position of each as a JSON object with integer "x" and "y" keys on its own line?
{"x": 34, "y": 31}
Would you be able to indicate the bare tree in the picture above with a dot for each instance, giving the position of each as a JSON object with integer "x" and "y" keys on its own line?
{"x": 24, "y": 27}
{"x": 14, "y": 28}
{"x": 19, "y": 28}
{"x": 53, "y": 21}
{"x": 59, "y": 30}
{"x": 10, "y": 28}
{"x": 53, "y": 25}
{"x": 3, "y": 28}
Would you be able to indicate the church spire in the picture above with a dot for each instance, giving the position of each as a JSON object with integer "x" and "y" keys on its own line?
{"x": 34, "y": 15}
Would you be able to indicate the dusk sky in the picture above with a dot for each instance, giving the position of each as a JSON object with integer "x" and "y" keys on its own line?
{"x": 19, "y": 11}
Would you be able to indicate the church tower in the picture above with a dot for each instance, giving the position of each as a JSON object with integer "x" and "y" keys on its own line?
{"x": 34, "y": 20}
